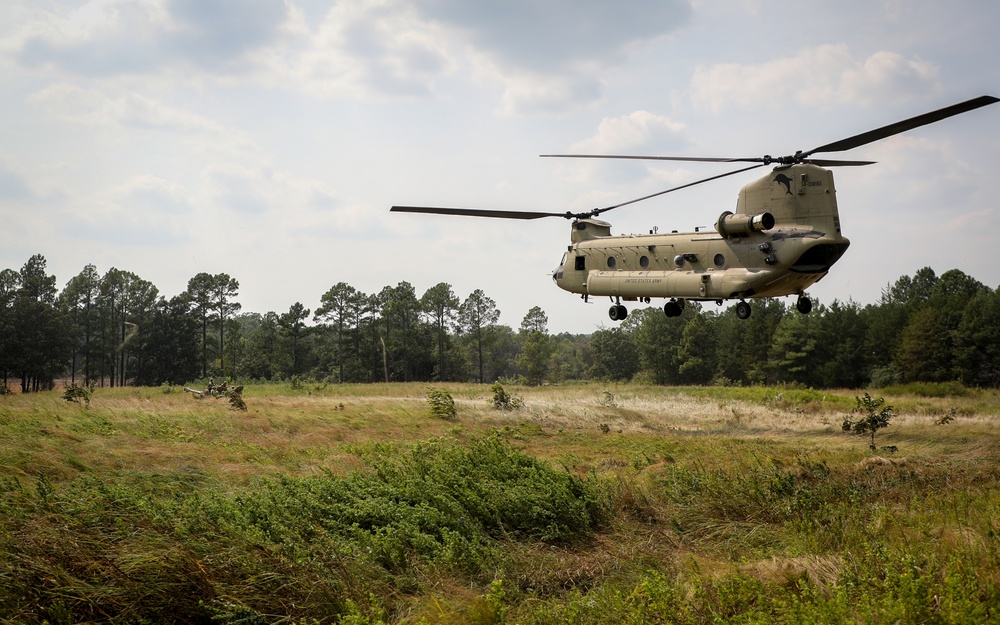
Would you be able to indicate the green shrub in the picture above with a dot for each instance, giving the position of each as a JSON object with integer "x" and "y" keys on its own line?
{"x": 177, "y": 551}
{"x": 875, "y": 415}
{"x": 228, "y": 613}
{"x": 79, "y": 394}
{"x": 442, "y": 404}
{"x": 502, "y": 400}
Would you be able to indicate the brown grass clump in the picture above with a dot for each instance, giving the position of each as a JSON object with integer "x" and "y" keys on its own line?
{"x": 880, "y": 461}
{"x": 821, "y": 571}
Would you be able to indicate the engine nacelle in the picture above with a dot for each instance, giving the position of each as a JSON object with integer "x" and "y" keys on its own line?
{"x": 733, "y": 225}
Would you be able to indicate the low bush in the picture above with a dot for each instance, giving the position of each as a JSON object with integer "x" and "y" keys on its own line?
{"x": 181, "y": 553}
{"x": 79, "y": 394}
{"x": 875, "y": 415}
{"x": 442, "y": 404}
{"x": 502, "y": 400}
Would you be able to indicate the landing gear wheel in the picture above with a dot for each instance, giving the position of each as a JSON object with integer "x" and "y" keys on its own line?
{"x": 743, "y": 310}
{"x": 672, "y": 309}
{"x": 618, "y": 312}
{"x": 804, "y": 305}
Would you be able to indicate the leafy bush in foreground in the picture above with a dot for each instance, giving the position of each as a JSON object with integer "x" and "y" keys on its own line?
{"x": 172, "y": 552}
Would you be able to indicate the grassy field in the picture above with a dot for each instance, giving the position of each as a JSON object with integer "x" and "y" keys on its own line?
{"x": 591, "y": 504}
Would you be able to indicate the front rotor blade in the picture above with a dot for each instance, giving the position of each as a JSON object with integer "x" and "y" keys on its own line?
{"x": 477, "y": 212}
{"x": 688, "y": 159}
{"x": 907, "y": 124}
{"x": 598, "y": 211}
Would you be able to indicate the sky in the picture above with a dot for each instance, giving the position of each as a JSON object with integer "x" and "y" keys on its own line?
{"x": 267, "y": 139}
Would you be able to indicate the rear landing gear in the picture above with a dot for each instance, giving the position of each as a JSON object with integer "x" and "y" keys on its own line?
{"x": 618, "y": 312}
{"x": 743, "y": 310}
{"x": 674, "y": 308}
{"x": 804, "y": 305}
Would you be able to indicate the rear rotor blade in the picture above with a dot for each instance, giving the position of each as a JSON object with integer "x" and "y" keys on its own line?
{"x": 477, "y": 212}
{"x": 824, "y": 162}
{"x": 766, "y": 160}
{"x": 837, "y": 146}
{"x": 902, "y": 126}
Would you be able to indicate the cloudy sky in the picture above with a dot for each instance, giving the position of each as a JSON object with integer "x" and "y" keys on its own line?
{"x": 267, "y": 139}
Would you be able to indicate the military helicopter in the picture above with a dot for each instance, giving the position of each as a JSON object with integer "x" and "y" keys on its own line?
{"x": 783, "y": 237}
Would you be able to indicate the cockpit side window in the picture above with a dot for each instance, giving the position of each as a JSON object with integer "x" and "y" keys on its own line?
{"x": 581, "y": 263}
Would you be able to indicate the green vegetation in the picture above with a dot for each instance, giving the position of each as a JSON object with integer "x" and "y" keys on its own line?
{"x": 442, "y": 404}
{"x": 875, "y": 415}
{"x": 79, "y": 394}
{"x": 592, "y": 504}
{"x": 504, "y": 400}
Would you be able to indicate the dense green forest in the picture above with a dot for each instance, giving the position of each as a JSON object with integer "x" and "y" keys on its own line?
{"x": 117, "y": 329}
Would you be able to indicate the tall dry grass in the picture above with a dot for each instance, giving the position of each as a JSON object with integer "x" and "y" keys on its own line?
{"x": 712, "y": 505}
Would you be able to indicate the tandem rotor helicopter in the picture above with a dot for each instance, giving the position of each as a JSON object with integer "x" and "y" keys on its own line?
{"x": 783, "y": 237}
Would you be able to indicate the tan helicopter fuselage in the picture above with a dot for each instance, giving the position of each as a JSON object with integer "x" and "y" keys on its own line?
{"x": 783, "y": 237}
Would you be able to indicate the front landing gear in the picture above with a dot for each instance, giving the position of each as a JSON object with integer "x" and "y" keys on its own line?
{"x": 804, "y": 305}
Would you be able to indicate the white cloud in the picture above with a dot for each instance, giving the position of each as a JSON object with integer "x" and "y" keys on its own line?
{"x": 547, "y": 57}
{"x": 367, "y": 48}
{"x": 142, "y": 212}
{"x": 639, "y": 130}
{"x": 292, "y": 205}
{"x": 359, "y": 49}
{"x": 817, "y": 76}
{"x": 13, "y": 184}
{"x": 152, "y": 195}
{"x": 886, "y": 77}
{"x": 95, "y": 108}
{"x": 532, "y": 94}
{"x": 554, "y": 36}
{"x": 218, "y": 35}
{"x": 915, "y": 175}
{"x": 639, "y": 133}
{"x": 114, "y": 37}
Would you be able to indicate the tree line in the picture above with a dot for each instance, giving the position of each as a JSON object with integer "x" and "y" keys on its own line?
{"x": 924, "y": 328}
{"x": 117, "y": 329}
